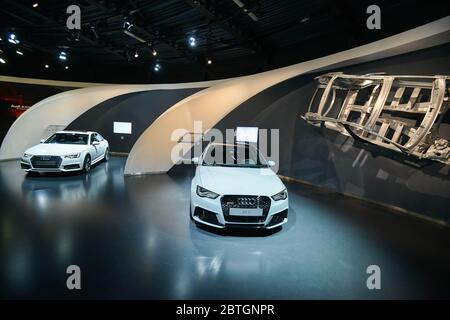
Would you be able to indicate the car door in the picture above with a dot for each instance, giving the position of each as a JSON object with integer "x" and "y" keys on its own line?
{"x": 96, "y": 146}
{"x": 103, "y": 143}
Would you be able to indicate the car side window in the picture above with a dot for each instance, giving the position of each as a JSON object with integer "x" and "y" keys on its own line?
{"x": 99, "y": 137}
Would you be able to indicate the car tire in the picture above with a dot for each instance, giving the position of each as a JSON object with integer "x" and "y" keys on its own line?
{"x": 87, "y": 164}
{"x": 106, "y": 156}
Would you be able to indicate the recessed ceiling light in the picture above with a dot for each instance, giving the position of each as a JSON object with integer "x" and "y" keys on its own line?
{"x": 192, "y": 41}
{"x": 2, "y": 60}
{"x": 46, "y": 66}
{"x": 155, "y": 53}
{"x": 19, "y": 52}
{"x": 62, "y": 55}
{"x": 13, "y": 39}
{"x": 35, "y": 5}
{"x": 136, "y": 54}
{"x": 209, "y": 61}
{"x": 66, "y": 67}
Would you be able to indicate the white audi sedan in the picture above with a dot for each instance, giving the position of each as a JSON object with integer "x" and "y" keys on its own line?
{"x": 234, "y": 186}
{"x": 66, "y": 151}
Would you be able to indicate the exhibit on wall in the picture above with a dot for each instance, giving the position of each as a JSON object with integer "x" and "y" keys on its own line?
{"x": 225, "y": 156}
{"x": 370, "y": 108}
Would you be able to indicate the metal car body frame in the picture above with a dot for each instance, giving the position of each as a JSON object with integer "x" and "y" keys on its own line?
{"x": 400, "y": 113}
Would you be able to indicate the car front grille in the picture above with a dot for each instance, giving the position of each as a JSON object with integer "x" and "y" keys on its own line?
{"x": 245, "y": 202}
{"x": 47, "y": 162}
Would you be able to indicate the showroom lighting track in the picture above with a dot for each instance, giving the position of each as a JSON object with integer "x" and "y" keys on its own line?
{"x": 129, "y": 33}
{"x": 127, "y": 25}
{"x": 248, "y": 12}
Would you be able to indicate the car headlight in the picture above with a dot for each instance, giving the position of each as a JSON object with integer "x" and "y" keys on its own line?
{"x": 205, "y": 193}
{"x": 280, "y": 195}
{"x": 27, "y": 155}
{"x": 72, "y": 156}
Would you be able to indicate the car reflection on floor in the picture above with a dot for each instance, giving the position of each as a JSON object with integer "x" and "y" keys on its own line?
{"x": 53, "y": 192}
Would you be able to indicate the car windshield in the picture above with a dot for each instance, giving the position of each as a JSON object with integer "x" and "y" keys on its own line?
{"x": 68, "y": 138}
{"x": 244, "y": 156}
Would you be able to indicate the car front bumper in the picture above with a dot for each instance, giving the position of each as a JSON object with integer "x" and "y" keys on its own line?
{"x": 210, "y": 212}
{"x": 57, "y": 164}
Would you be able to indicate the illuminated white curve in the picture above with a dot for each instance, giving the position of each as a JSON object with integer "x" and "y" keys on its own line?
{"x": 152, "y": 151}
{"x": 63, "y": 108}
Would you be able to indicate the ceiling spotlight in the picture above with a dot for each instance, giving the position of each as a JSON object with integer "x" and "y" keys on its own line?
{"x": 62, "y": 56}
{"x": 35, "y": 5}
{"x": 154, "y": 53}
{"x": 136, "y": 54}
{"x": 20, "y": 53}
{"x": 13, "y": 39}
{"x": 127, "y": 24}
{"x": 157, "y": 67}
{"x": 66, "y": 67}
{"x": 2, "y": 60}
{"x": 46, "y": 66}
{"x": 209, "y": 61}
{"x": 192, "y": 41}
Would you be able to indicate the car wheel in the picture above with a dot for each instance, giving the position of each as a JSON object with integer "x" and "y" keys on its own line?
{"x": 106, "y": 156}
{"x": 87, "y": 164}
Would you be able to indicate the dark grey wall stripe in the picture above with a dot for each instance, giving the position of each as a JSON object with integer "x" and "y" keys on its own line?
{"x": 327, "y": 159}
{"x": 139, "y": 108}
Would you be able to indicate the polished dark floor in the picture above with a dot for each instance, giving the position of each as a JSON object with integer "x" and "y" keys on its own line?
{"x": 132, "y": 238}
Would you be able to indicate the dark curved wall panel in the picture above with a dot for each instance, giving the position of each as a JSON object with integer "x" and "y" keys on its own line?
{"x": 139, "y": 108}
{"x": 325, "y": 158}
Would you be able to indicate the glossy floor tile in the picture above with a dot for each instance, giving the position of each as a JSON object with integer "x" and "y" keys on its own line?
{"x": 132, "y": 238}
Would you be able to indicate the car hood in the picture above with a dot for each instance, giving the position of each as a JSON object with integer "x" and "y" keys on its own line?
{"x": 248, "y": 181}
{"x": 50, "y": 149}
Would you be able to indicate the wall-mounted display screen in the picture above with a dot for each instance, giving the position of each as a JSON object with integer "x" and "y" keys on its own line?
{"x": 247, "y": 134}
{"x": 122, "y": 127}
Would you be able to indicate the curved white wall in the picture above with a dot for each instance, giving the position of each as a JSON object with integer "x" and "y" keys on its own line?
{"x": 61, "y": 109}
{"x": 152, "y": 152}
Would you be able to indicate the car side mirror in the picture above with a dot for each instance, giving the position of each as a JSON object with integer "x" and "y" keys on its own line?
{"x": 42, "y": 141}
{"x": 195, "y": 160}
{"x": 271, "y": 163}
{"x": 95, "y": 143}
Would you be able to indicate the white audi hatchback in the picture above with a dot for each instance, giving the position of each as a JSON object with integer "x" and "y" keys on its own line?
{"x": 234, "y": 186}
{"x": 66, "y": 151}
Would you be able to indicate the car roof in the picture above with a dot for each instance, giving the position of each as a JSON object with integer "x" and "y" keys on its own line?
{"x": 76, "y": 131}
